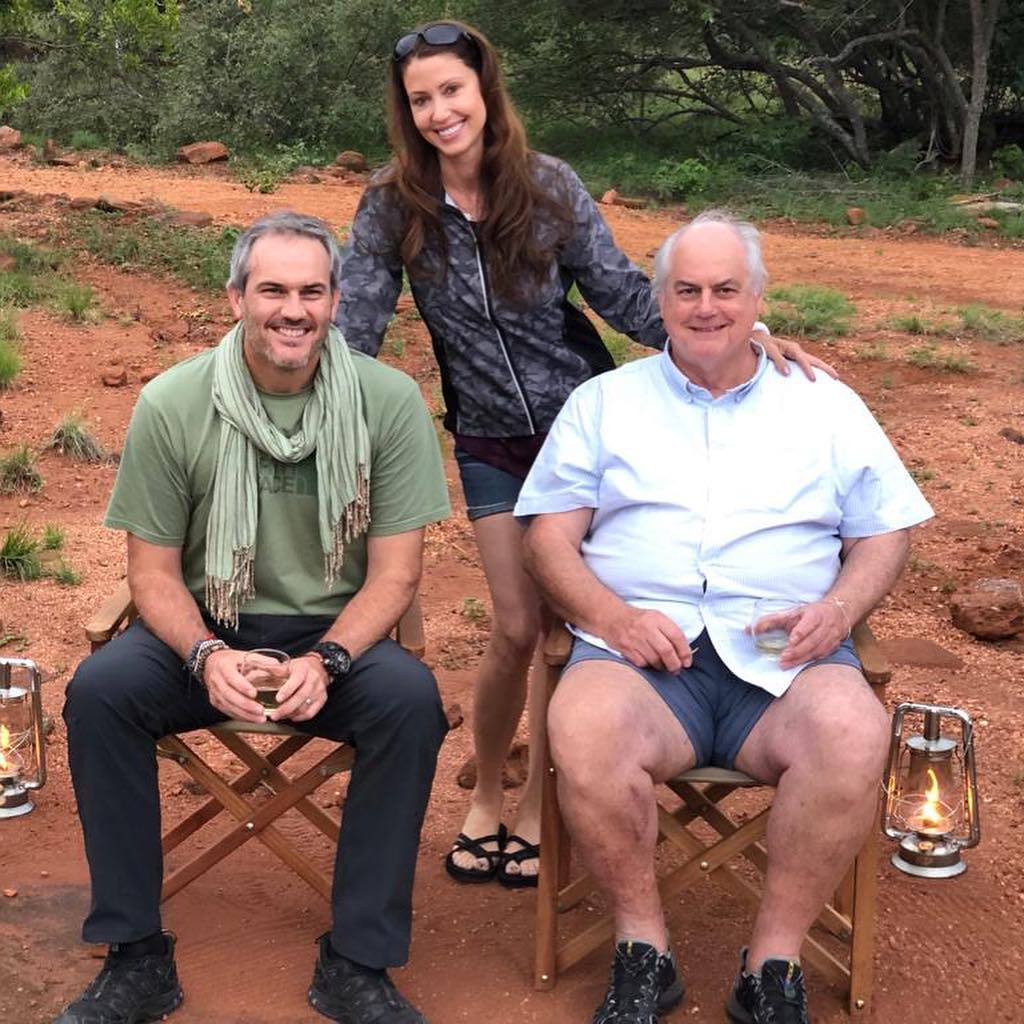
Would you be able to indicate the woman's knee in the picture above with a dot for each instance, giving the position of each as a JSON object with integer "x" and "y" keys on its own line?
{"x": 514, "y": 631}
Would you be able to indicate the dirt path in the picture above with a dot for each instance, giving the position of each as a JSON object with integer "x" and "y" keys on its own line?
{"x": 246, "y": 929}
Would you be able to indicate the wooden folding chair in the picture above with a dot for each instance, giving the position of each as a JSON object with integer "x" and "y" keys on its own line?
{"x": 845, "y": 959}
{"x": 262, "y": 770}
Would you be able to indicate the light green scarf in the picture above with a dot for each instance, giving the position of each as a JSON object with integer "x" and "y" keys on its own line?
{"x": 332, "y": 423}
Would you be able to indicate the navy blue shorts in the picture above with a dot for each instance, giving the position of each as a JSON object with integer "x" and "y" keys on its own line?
{"x": 715, "y": 707}
{"x": 488, "y": 490}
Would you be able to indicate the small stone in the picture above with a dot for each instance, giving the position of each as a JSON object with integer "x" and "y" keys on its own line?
{"x": 115, "y": 376}
{"x": 988, "y": 222}
{"x": 855, "y": 216}
{"x": 610, "y": 197}
{"x": 114, "y": 204}
{"x": 147, "y": 375}
{"x": 189, "y": 219}
{"x": 1012, "y": 435}
{"x": 10, "y": 138}
{"x": 203, "y": 152}
{"x": 82, "y": 203}
{"x": 10, "y": 893}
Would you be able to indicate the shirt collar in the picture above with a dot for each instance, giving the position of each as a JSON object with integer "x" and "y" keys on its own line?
{"x": 691, "y": 392}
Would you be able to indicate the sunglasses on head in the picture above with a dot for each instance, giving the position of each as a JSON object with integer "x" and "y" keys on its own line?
{"x": 442, "y": 34}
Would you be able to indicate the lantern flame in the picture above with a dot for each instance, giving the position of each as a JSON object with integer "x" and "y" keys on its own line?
{"x": 930, "y": 816}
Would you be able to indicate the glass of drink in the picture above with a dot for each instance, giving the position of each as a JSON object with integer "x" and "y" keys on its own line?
{"x": 267, "y": 669}
{"x": 771, "y": 639}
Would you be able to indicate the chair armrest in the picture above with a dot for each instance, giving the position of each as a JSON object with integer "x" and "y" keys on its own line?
{"x": 873, "y": 660}
{"x": 557, "y": 645}
{"x": 116, "y": 611}
{"x": 409, "y": 630}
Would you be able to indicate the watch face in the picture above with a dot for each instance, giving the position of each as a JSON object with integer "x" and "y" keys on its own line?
{"x": 337, "y": 660}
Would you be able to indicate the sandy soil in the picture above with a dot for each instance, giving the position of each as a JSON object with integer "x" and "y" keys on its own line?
{"x": 246, "y": 929}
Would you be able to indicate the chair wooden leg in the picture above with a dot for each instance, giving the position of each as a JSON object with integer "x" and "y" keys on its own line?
{"x": 862, "y": 945}
{"x": 553, "y": 861}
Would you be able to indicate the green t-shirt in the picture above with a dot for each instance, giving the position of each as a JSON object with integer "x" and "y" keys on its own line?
{"x": 164, "y": 486}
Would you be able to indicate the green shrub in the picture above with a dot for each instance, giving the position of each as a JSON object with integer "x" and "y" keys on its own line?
{"x": 10, "y": 362}
{"x": 1009, "y": 161}
{"x": 83, "y": 138}
{"x": 18, "y": 472}
{"x": 77, "y": 301}
{"x": 66, "y": 576}
{"x": 913, "y": 324}
{"x": 19, "y": 555}
{"x": 809, "y": 311}
{"x": 991, "y": 324}
{"x": 53, "y": 537}
{"x": 72, "y": 438}
{"x": 678, "y": 179}
{"x": 928, "y": 357}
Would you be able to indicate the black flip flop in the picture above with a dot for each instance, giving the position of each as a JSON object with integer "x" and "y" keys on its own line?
{"x": 527, "y": 851}
{"x": 494, "y": 858}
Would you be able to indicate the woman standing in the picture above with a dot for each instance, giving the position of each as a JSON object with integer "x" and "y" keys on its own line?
{"x": 492, "y": 237}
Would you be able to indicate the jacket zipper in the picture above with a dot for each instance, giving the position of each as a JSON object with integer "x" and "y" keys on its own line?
{"x": 497, "y": 331}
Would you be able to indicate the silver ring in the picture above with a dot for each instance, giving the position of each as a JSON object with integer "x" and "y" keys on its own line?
{"x": 307, "y": 702}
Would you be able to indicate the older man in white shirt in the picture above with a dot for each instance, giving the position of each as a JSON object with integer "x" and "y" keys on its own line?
{"x": 670, "y": 496}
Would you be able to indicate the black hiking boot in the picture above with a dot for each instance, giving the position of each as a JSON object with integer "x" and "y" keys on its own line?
{"x": 350, "y": 993}
{"x": 129, "y": 990}
{"x": 644, "y": 984}
{"x": 775, "y": 996}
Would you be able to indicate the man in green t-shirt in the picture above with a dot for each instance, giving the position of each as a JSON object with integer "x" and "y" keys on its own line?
{"x": 274, "y": 491}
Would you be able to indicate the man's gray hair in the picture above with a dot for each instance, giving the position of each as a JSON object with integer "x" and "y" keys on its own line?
{"x": 283, "y": 222}
{"x": 748, "y": 235}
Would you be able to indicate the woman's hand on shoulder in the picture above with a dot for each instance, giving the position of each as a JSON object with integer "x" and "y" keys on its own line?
{"x": 782, "y": 351}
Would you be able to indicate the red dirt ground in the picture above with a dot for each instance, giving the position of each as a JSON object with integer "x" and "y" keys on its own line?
{"x": 246, "y": 930}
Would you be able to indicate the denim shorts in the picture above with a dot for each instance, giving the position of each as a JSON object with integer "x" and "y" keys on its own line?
{"x": 714, "y": 706}
{"x": 488, "y": 490}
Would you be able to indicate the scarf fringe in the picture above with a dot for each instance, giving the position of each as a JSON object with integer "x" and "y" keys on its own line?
{"x": 225, "y": 597}
{"x": 354, "y": 521}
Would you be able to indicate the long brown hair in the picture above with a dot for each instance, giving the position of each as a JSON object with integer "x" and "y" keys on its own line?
{"x": 513, "y": 201}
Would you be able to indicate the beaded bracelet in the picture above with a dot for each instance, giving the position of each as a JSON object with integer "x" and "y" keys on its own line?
{"x": 841, "y": 605}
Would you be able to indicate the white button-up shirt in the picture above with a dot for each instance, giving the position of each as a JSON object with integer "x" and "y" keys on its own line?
{"x": 702, "y": 505}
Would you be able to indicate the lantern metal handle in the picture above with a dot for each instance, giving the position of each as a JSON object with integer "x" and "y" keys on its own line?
{"x": 970, "y": 780}
{"x": 36, "y": 695}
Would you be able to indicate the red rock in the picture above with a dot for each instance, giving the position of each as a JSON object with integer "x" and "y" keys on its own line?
{"x": 610, "y": 197}
{"x": 631, "y": 203}
{"x": 147, "y": 375}
{"x": 1002, "y": 184}
{"x": 66, "y": 161}
{"x": 351, "y": 160}
{"x": 855, "y": 216}
{"x": 10, "y": 893}
{"x": 513, "y": 772}
{"x": 50, "y": 151}
{"x": 988, "y": 222}
{"x": 115, "y": 376}
{"x": 990, "y": 609}
{"x": 190, "y": 219}
{"x": 203, "y": 152}
{"x": 114, "y": 204}
{"x": 82, "y": 203}
{"x": 10, "y": 138}
{"x": 1012, "y": 435}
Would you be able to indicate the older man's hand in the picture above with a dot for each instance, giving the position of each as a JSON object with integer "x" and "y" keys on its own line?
{"x": 819, "y": 629}
{"x": 649, "y": 639}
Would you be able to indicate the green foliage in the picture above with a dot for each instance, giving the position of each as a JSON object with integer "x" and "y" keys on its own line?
{"x": 621, "y": 348}
{"x": 197, "y": 256}
{"x": 809, "y": 311}
{"x": 928, "y": 357}
{"x": 10, "y": 358}
{"x": 913, "y": 324}
{"x": 991, "y": 324}
{"x": 1009, "y": 161}
{"x": 8, "y": 326}
{"x": 18, "y": 472}
{"x": 474, "y": 609}
{"x": 72, "y": 438}
{"x": 66, "y": 576}
{"x": 19, "y": 554}
{"x": 53, "y": 537}
{"x": 83, "y": 138}
{"x": 672, "y": 179}
{"x": 78, "y": 301}
{"x": 32, "y": 275}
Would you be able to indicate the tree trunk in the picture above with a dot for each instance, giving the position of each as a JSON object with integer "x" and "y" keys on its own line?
{"x": 983, "y": 23}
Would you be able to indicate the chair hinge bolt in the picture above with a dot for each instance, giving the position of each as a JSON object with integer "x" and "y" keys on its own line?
{"x": 705, "y": 866}
{"x": 250, "y": 825}
{"x": 859, "y": 1004}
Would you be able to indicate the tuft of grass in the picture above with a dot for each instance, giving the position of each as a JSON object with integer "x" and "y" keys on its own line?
{"x": 474, "y": 609}
{"x": 621, "y": 348}
{"x": 930, "y": 358}
{"x": 29, "y": 259}
{"x": 991, "y": 324}
{"x": 922, "y": 473}
{"x": 809, "y": 311}
{"x": 9, "y": 325}
{"x": 72, "y": 438}
{"x": 53, "y": 537}
{"x": 19, "y": 555}
{"x": 10, "y": 362}
{"x": 396, "y": 346}
{"x": 875, "y": 351}
{"x": 77, "y": 301}
{"x": 18, "y": 472}
{"x": 914, "y": 325}
{"x": 66, "y": 576}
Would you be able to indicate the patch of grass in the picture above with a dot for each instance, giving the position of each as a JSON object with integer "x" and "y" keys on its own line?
{"x": 809, "y": 311}
{"x": 53, "y": 537}
{"x": 83, "y": 138}
{"x": 10, "y": 362}
{"x": 396, "y": 346}
{"x": 29, "y": 259}
{"x": 914, "y": 324}
{"x": 77, "y": 301}
{"x": 930, "y": 358}
{"x": 66, "y": 576}
{"x": 621, "y": 348}
{"x": 922, "y": 473}
{"x": 887, "y": 381}
{"x": 197, "y": 256}
{"x": 9, "y": 325}
{"x": 991, "y": 324}
{"x": 72, "y": 438}
{"x": 968, "y": 421}
{"x": 875, "y": 351}
{"x": 474, "y": 609}
{"x": 18, "y": 472}
{"x": 19, "y": 555}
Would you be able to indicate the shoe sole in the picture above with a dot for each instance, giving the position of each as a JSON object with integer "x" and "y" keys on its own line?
{"x": 671, "y": 997}
{"x": 736, "y": 1013}
{"x": 159, "y": 1008}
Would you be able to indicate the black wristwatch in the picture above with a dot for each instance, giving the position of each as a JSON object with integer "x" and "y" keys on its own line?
{"x": 337, "y": 661}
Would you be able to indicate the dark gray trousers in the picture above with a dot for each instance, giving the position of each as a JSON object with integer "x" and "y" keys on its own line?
{"x": 135, "y": 689}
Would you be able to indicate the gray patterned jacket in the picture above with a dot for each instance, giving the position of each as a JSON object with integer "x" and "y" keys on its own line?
{"x": 505, "y": 371}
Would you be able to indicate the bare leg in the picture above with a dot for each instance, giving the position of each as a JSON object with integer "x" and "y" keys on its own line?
{"x": 823, "y": 745}
{"x": 501, "y": 684}
{"x": 613, "y": 739}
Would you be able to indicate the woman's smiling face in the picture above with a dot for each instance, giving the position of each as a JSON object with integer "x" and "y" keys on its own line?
{"x": 447, "y": 107}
